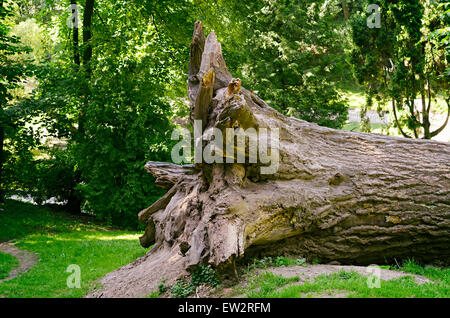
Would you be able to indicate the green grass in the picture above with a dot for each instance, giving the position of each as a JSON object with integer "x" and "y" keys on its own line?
{"x": 275, "y": 262}
{"x": 356, "y": 99}
{"x": 266, "y": 284}
{"x": 61, "y": 240}
{"x": 353, "y": 284}
{"x": 154, "y": 294}
{"x": 7, "y": 263}
{"x": 21, "y": 219}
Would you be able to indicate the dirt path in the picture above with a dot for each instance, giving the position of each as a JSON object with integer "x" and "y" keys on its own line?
{"x": 26, "y": 260}
{"x": 308, "y": 273}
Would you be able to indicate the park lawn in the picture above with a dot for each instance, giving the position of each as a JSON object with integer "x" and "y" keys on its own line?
{"x": 352, "y": 284}
{"x": 61, "y": 240}
{"x": 7, "y": 263}
{"x": 356, "y": 98}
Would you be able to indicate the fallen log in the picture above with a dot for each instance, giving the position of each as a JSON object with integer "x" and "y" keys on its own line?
{"x": 348, "y": 197}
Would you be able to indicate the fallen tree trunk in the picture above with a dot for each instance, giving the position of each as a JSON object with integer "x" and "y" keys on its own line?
{"x": 350, "y": 197}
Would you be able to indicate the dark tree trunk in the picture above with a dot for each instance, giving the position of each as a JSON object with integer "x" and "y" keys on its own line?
{"x": 75, "y": 37}
{"x": 2, "y": 137}
{"x": 87, "y": 35}
{"x": 345, "y": 9}
{"x": 350, "y": 197}
{"x": 75, "y": 200}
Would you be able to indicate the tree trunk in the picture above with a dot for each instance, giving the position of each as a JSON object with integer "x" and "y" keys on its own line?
{"x": 345, "y": 9}
{"x": 87, "y": 35}
{"x": 2, "y": 138}
{"x": 350, "y": 197}
{"x": 75, "y": 40}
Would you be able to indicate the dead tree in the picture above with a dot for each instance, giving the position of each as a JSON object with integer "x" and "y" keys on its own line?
{"x": 350, "y": 197}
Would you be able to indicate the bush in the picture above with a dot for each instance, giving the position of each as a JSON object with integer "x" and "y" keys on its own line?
{"x": 202, "y": 275}
{"x": 205, "y": 275}
{"x": 182, "y": 289}
{"x": 162, "y": 288}
{"x": 57, "y": 177}
{"x": 279, "y": 261}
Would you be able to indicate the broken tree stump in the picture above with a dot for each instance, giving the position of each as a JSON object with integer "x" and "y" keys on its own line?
{"x": 350, "y": 197}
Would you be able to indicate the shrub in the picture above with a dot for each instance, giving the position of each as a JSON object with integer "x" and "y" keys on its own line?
{"x": 202, "y": 275}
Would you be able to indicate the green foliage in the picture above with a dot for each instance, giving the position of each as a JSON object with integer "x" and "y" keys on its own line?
{"x": 202, "y": 275}
{"x": 162, "y": 288}
{"x": 113, "y": 117}
{"x": 55, "y": 177}
{"x": 294, "y": 55}
{"x": 154, "y": 294}
{"x": 182, "y": 289}
{"x": 13, "y": 70}
{"x": 278, "y": 261}
{"x": 114, "y": 111}
{"x": 205, "y": 275}
{"x": 402, "y": 64}
{"x": 300, "y": 261}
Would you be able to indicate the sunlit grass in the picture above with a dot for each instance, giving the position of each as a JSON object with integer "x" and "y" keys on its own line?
{"x": 264, "y": 285}
{"x": 60, "y": 241}
{"x": 352, "y": 284}
{"x": 7, "y": 263}
{"x": 356, "y": 99}
{"x": 20, "y": 219}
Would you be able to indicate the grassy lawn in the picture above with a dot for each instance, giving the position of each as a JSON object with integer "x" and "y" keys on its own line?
{"x": 356, "y": 99}
{"x": 61, "y": 240}
{"x": 352, "y": 284}
{"x": 7, "y": 263}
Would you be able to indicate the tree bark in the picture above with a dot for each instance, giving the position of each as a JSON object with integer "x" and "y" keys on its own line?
{"x": 87, "y": 35}
{"x": 2, "y": 138}
{"x": 350, "y": 197}
{"x": 345, "y": 9}
{"x": 75, "y": 40}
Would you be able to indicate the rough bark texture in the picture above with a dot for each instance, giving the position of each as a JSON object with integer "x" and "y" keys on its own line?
{"x": 350, "y": 197}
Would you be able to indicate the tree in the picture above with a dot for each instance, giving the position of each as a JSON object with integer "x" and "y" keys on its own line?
{"x": 303, "y": 43}
{"x": 336, "y": 195}
{"x": 402, "y": 63}
{"x": 102, "y": 96}
{"x": 125, "y": 118}
{"x": 12, "y": 71}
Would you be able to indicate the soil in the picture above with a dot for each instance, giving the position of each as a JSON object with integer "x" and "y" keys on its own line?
{"x": 26, "y": 260}
{"x": 308, "y": 273}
